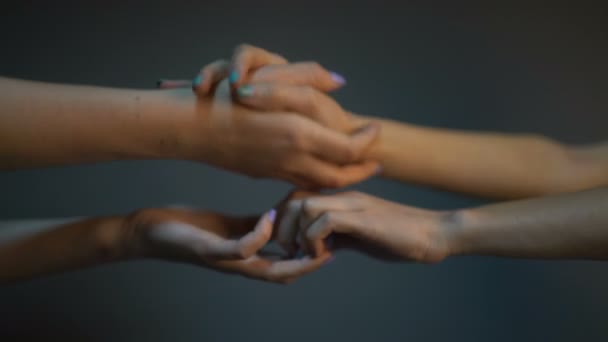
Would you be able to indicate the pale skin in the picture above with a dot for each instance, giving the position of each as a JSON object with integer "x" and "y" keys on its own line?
{"x": 44, "y": 124}
{"x": 221, "y": 242}
{"x": 569, "y": 221}
{"x": 535, "y": 228}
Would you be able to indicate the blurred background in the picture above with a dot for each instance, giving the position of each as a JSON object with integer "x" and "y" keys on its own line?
{"x": 477, "y": 66}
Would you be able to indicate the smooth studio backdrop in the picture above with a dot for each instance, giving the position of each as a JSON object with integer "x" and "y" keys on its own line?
{"x": 471, "y": 66}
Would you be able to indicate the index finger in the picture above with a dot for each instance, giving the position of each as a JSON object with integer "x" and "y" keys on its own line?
{"x": 247, "y": 58}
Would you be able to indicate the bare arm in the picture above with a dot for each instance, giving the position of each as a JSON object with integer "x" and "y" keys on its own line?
{"x": 563, "y": 226}
{"x": 488, "y": 164}
{"x": 228, "y": 244}
{"x": 50, "y": 124}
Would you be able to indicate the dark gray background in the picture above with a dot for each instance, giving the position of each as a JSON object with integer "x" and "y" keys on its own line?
{"x": 483, "y": 67}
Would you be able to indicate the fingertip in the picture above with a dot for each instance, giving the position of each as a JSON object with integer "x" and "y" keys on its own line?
{"x": 197, "y": 81}
{"x": 337, "y": 78}
{"x": 245, "y": 91}
{"x": 234, "y": 77}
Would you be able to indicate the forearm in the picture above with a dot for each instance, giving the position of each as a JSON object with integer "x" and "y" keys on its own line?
{"x": 563, "y": 226}
{"x": 49, "y": 124}
{"x": 34, "y": 248}
{"x": 488, "y": 164}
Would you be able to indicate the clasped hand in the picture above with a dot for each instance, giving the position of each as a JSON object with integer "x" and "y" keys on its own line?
{"x": 322, "y": 147}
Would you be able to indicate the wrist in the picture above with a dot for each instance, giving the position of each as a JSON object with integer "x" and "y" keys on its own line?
{"x": 112, "y": 239}
{"x": 457, "y": 227}
{"x": 174, "y": 125}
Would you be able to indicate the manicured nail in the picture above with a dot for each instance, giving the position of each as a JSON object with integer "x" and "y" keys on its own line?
{"x": 337, "y": 78}
{"x": 197, "y": 81}
{"x": 234, "y": 76}
{"x": 245, "y": 91}
{"x": 331, "y": 258}
{"x": 160, "y": 82}
{"x": 272, "y": 214}
{"x": 329, "y": 242}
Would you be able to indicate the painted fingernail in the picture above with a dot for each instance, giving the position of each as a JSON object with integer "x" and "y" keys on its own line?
{"x": 337, "y": 78}
{"x": 329, "y": 242}
{"x": 234, "y": 76}
{"x": 245, "y": 91}
{"x": 197, "y": 81}
{"x": 272, "y": 214}
{"x": 331, "y": 258}
{"x": 300, "y": 254}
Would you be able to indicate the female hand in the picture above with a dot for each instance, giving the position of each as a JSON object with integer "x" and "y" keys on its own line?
{"x": 278, "y": 143}
{"x": 387, "y": 230}
{"x": 224, "y": 243}
{"x": 264, "y": 81}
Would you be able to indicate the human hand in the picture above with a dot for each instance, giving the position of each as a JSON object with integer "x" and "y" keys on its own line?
{"x": 317, "y": 223}
{"x": 274, "y": 144}
{"x": 265, "y": 81}
{"x": 224, "y": 243}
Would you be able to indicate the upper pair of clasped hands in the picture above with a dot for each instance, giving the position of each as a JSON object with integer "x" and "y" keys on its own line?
{"x": 279, "y": 124}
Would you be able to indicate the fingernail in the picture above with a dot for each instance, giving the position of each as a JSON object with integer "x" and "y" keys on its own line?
{"x": 300, "y": 254}
{"x": 272, "y": 214}
{"x": 197, "y": 81}
{"x": 160, "y": 82}
{"x": 234, "y": 76}
{"x": 331, "y": 258}
{"x": 337, "y": 78}
{"x": 329, "y": 242}
{"x": 245, "y": 91}
{"x": 379, "y": 170}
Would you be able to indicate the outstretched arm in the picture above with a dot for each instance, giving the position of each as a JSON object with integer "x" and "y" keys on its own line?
{"x": 228, "y": 244}
{"x": 495, "y": 165}
{"x": 50, "y": 124}
{"x": 488, "y": 164}
{"x": 566, "y": 226}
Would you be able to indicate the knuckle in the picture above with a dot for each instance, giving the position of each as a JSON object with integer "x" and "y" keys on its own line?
{"x": 296, "y": 139}
{"x": 333, "y": 181}
{"x": 242, "y": 48}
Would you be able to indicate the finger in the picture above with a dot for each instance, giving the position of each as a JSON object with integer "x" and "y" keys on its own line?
{"x": 288, "y": 227}
{"x": 343, "y": 149}
{"x": 343, "y": 222}
{"x": 216, "y": 247}
{"x": 210, "y": 76}
{"x": 247, "y": 58}
{"x": 288, "y": 270}
{"x": 255, "y": 240}
{"x": 327, "y": 175}
{"x": 303, "y": 100}
{"x": 300, "y": 74}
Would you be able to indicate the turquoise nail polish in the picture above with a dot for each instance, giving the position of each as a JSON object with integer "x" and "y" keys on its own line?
{"x": 234, "y": 76}
{"x": 245, "y": 91}
{"x": 197, "y": 81}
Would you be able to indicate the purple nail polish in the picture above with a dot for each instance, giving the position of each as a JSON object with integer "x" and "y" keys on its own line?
{"x": 379, "y": 170}
{"x": 272, "y": 214}
{"x": 331, "y": 258}
{"x": 337, "y": 78}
